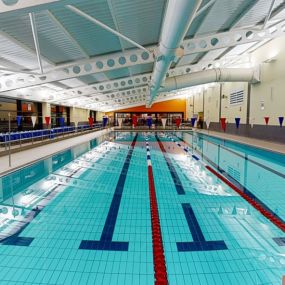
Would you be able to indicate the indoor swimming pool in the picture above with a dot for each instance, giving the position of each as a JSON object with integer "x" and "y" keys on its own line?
{"x": 146, "y": 208}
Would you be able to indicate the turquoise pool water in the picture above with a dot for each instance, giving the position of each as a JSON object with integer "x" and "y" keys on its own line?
{"x": 83, "y": 216}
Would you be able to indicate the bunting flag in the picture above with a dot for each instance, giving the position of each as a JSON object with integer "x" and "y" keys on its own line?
{"x": 223, "y": 124}
{"x": 281, "y": 119}
{"x": 163, "y": 122}
{"x": 193, "y": 120}
{"x": 90, "y": 122}
{"x": 252, "y": 120}
{"x": 266, "y": 120}
{"x": 178, "y": 122}
{"x": 237, "y": 122}
{"x": 61, "y": 122}
{"x": 105, "y": 120}
{"x": 19, "y": 119}
{"x": 47, "y": 119}
{"x": 149, "y": 121}
{"x": 34, "y": 119}
{"x": 120, "y": 120}
{"x": 208, "y": 122}
{"x": 135, "y": 120}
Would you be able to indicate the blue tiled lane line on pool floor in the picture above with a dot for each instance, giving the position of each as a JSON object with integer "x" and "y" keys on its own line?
{"x": 105, "y": 242}
{"x": 199, "y": 243}
{"x": 172, "y": 170}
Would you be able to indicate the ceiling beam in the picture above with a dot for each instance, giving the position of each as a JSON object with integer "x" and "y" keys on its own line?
{"x": 127, "y": 83}
{"x": 31, "y": 5}
{"x": 24, "y": 47}
{"x": 141, "y": 79}
{"x": 68, "y": 35}
{"x": 36, "y": 40}
{"x": 105, "y": 27}
{"x": 135, "y": 57}
{"x": 230, "y": 39}
{"x": 112, "y": 11}
{"x": 23, "y": 4}
{"x": 78, "y": 69}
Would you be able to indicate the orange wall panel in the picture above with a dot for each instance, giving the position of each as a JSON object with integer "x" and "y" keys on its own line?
{"x": 176, "y": 105}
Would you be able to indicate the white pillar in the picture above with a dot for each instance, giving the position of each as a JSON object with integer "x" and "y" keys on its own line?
{"x": 46, "y": 111}
{"x": 120, "y": 120}
{"x": 74, "y": 116}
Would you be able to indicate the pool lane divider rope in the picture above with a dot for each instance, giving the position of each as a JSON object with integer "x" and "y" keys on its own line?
{"x": 250, "y": 198}
{"x": 160, "y": 271}
{"x": 106, "y": 242}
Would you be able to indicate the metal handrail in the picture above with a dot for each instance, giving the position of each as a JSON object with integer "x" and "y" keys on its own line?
{"x": 44, "y": 136}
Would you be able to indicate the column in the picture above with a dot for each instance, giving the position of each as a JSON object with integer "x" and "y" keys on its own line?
{"x": 19, "y": 113}
{"x": 46, "y": 112}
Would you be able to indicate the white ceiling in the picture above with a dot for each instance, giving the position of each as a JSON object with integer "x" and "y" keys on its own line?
{"x": 86, "y": 66}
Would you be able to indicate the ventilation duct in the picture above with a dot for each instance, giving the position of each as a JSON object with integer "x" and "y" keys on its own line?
{"x": 250, "y": 75}
{"x": 178, "y": 18}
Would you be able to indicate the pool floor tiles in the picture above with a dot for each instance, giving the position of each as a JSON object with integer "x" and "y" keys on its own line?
{"x": 79, "y": 213}
{"x": 75, "y": 216}
{"x": 206, "y": 208}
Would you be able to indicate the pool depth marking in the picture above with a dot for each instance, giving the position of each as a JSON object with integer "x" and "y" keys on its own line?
{"x": 105, "y": 242}
{"x": 172, "y": 170}
{"x": 157, "y": 244}
{"x": 199, "y": 242}
{"x": 247, "y": 195}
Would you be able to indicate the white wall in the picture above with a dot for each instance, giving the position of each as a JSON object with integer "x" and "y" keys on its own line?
{"x": 99, "y": 116}
{"x": 46, "y": 110}
{"x": 78, "y": 115}
{"x": 234, "y": 111}
{"x": 271, "y": 91}
{"x": 5, "y": 108}
{"x": 212, "y": 103}
{"x": 189, "y": 107}
{"x": 198, "y": 102}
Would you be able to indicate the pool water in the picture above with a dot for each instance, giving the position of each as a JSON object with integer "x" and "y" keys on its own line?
{"x": 85, "y": 216}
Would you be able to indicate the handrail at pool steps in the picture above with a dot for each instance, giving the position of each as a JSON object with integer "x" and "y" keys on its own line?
{"x": 20, "y": 140}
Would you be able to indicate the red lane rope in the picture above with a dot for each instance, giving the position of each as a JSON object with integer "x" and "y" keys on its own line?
{"x": 158, "y": 251}
{"x": 257, "y": 206}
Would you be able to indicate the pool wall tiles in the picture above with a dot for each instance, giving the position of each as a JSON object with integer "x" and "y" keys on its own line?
{"x": 1, "y": 189}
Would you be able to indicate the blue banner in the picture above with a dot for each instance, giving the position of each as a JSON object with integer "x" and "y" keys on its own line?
{"x": 281, "y": 119}
{"x": 193, "y": 120}
{"x": 61, "y": 122}
{"x": 149, "y": 121}
{"x": 237, "y": 122}
{"x": 105, "y": 120}
{"x": 19, "y": 119}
